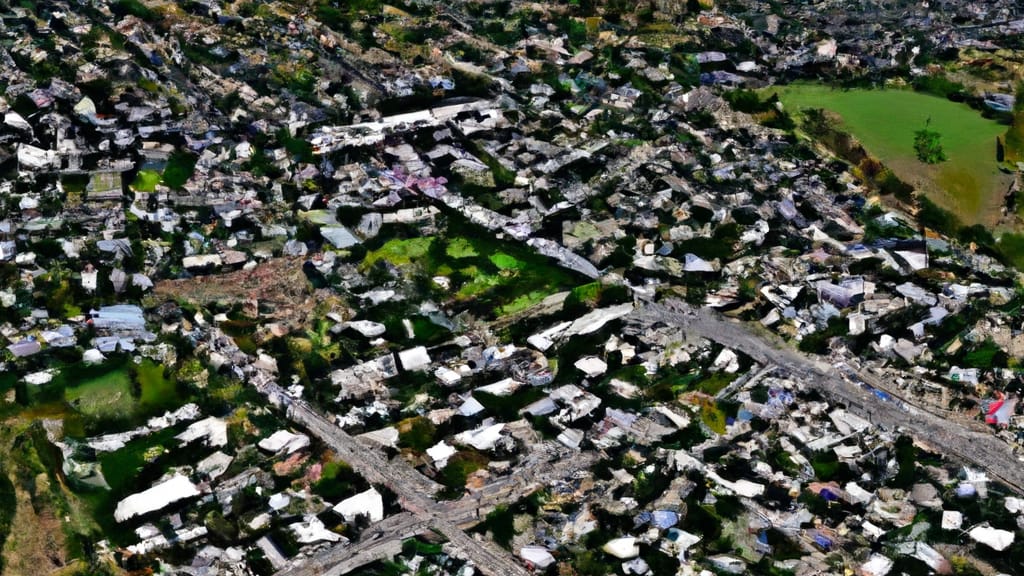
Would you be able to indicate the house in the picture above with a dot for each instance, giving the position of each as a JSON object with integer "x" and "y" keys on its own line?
{"x": 158, "y": 497}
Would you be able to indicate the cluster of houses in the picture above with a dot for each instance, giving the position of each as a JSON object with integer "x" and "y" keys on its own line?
{"x": 140, "y": 147}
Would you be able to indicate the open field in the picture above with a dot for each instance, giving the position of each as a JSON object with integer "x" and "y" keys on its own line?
{"x": 146, "y": 180}
{"x": 501, "y": 277}
{"x": 105, "y": 396}
{"x": 969, "y": 184}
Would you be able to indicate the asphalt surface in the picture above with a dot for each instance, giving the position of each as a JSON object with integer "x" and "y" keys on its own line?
{"x": 945, "y": 436}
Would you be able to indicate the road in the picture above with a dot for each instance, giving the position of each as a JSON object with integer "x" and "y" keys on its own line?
{"x": 546, "y": 464}
{"x": 979, "y": 449}
{"x": 415, "y": 491}
{"x": 381, "y": 541}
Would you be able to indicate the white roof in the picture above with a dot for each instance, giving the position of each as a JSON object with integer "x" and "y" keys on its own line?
{"x": 215, "y": 430}
{"x": 742, "y": 487}
{"x": 85, "y": 107}
{"x": 482, "y": 438}
{"x": 994, "y": 538}
{"x": 369, "y": 503}
{"x": 414, "y": 358}
{"x": 622, "y": 547}
{"x": 877, "y": 565}
{"x": 284, "y": 440}
{"x": 163, "y": 494}
{"x": 313, "y": 530}
{"x": 471, "y": 407}
{"x": 591, "y": 366}
{"x": 858, "y": 494}
{"x": 727, "y": 360}
{"x": 39, "y": 378}
{"x": 16, "y": 120}
{"x": 215, "y": 464}
{"x": 339, "y": 236}
{"x": 952, "y": 520}
{"x": 201, "y": 261}
{"x": 279, "y": 501}
{"x": 537, "y": 555}
{"x": 570, "y": 437}
{"x": 596, "y": 319}
{"x": 440, "y": 453}
{"x": 447, "y": 376}
{"x": 500, "y": 388}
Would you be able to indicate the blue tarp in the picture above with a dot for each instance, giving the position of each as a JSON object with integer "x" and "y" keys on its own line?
{"x": 966, "y": 490}
{"x": 664, "y": 518}
{"x": 659, "y": 519}
{"x": 445, "y": 83}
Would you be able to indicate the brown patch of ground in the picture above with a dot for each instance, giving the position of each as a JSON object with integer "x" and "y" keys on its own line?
{"x": 278, "y": 284}
{"x": 36, "y": 542}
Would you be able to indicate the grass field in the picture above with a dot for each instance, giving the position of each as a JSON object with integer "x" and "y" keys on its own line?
{"x": 969, "y": 184}
{"x": 500, "y": 277}
{"x": 106, "y": 396}
{"x": 157, "y": 392}
{"x": 146, "y": 180}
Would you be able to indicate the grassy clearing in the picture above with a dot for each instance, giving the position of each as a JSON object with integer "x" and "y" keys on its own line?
{"x": 524, "y": 302}
{"x": 105, "y": 396}
{"x": 969, "y": 184}
{"x": 492, "y": 276}
{"x": 157, "y": 391}
{"x": 146, "y": 180}
{"x": 120, "y": 393}
{"x": 460, "y": 248}
{"x": 399, "y": 252}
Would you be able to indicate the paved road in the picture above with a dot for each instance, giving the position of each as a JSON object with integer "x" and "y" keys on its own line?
{"x": 381, "y": 541}
{"x": 384, "y": 539}
{"x": 979, "y": 449}
{"x": 415, "y": 491}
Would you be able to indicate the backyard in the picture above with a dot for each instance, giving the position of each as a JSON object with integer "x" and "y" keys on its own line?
{"x": 969, "y": 183}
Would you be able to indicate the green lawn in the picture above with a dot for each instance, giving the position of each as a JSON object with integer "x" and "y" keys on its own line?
{"x": 105, "y": 396}
{"x": 108, "y": 394}
{"x": 493, "y": 275}
{"x": 969, "y": 184}
{"x": 399, "y": 252}
{"x": 156, "y": 392}
{"x": 146, "y": 180}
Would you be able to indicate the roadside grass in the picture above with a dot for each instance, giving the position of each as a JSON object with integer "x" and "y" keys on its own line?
{"x": 969, "y": 184}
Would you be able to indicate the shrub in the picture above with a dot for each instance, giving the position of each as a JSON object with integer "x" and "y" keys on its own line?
{"x": 417, "y": 433}
{"x": 928, "y": 146}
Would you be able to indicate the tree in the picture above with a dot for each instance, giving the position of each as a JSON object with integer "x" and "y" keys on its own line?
{"x": 928, "y": 145}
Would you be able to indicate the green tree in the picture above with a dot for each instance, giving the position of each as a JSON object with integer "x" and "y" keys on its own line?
{"x": 928, "y": 145}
